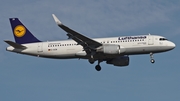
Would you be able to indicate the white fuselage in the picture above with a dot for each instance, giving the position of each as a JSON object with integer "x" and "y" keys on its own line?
{"x": 132, "y": 45}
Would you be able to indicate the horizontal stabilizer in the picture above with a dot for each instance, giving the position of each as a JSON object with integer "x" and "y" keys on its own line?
{"x": 15, "y": 45}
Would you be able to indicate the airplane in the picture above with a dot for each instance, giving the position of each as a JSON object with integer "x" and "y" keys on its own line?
{"x": 112, "y": 50}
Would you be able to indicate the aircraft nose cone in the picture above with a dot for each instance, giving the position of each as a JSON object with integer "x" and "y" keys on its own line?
{"x": 172, "y": 45}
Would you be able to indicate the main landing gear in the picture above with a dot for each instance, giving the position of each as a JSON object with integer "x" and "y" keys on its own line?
{"x": 151, "y": 56}
{"x": 98, "y": 67}
{"x": 92, "y": 60}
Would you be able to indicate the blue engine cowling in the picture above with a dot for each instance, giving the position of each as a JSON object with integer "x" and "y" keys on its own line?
{"x": 119, "y": 61}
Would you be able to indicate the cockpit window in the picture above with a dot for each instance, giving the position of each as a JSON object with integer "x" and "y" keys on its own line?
{"x": 162, "y": 39}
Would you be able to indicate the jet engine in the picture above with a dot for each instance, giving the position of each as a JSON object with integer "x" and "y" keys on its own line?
{"x": 119, "y": 61}
{"x": 111, "y": 49}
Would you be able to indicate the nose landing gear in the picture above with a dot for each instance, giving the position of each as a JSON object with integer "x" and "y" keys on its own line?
{"x": 151, "y": 56}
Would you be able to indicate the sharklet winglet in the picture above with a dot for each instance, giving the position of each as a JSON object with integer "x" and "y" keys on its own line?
{"x": 58, "y": 22}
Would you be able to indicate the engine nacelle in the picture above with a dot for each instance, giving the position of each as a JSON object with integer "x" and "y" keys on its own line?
{"x": 109, "y": 49}
{"x": 120, "y": 61}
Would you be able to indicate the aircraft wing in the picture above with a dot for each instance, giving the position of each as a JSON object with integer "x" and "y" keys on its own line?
{"x": 84, "y": 41}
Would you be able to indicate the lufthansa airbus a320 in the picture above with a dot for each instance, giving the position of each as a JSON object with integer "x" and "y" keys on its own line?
{"x": 112, "y": 50}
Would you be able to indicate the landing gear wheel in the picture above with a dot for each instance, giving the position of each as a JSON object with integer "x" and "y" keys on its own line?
{"x": 152, "y": 61}
{"x": 91, "y": 61}
{"x": 98, "y": 67}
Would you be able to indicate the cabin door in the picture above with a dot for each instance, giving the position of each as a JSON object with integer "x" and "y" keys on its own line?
{"x": 150, "y": 40}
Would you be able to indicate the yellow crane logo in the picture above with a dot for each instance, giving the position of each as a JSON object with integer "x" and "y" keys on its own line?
{"x": 19, "y": 31}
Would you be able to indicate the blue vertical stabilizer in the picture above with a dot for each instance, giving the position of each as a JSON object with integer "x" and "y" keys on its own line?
{"x": 21, "y": 34}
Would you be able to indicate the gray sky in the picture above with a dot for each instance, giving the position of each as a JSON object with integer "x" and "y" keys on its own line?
{"x": 26, "y": 78}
